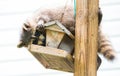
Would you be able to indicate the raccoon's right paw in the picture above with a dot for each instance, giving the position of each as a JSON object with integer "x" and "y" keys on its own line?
{"x": 40, "y": 25}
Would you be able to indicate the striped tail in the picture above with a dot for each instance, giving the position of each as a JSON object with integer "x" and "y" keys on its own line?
{"x": 105, "y": 47}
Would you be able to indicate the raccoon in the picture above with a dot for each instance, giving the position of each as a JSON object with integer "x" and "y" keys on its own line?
{"x": 66, "y": 17}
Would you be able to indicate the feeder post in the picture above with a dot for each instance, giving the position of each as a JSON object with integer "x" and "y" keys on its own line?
{"x": 86, "y": 35}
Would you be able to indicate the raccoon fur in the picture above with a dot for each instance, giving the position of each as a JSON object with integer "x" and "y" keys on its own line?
{"x": 66, "y": 17}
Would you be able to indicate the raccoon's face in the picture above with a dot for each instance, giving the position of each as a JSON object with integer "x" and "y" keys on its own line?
{"x": 25, "y": 36}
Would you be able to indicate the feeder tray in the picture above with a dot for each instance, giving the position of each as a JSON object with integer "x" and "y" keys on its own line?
{"x": 58, "y": 48}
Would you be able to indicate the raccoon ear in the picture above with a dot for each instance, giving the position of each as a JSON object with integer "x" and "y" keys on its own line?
{"x": 26, "y": 27}
{"x": 21, "y": 44}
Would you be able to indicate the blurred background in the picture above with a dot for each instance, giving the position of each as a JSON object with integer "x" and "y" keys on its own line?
{"x": 19, "y": 62}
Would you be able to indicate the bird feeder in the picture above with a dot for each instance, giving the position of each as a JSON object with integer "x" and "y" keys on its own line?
{"x": 58, "y": 48}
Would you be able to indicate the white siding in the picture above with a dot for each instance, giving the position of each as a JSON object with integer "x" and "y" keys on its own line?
{"x": 19, "y": 62}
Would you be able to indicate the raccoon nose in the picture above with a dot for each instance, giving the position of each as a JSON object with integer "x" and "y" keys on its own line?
{"x": 21, "y": 44}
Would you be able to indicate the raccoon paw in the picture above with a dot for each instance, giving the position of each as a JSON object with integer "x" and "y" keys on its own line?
{"x": 40, "y": 25}
{"x": 40, "y": 28}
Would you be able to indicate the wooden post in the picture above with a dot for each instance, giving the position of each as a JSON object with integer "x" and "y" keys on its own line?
{"x": 86, "y": 37}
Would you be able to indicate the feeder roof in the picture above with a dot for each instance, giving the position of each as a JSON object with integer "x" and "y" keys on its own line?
{"x": 57, "y": 26}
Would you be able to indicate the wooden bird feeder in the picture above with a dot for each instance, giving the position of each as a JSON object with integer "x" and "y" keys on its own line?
{"x": 58, "y": 49}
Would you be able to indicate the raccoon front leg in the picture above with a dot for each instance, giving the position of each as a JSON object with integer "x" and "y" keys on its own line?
{"x": 41, "y": 21}
{"x": 40, "y": 25}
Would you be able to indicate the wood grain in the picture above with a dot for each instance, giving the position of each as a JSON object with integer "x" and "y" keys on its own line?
{"x": 86, "y": 37}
